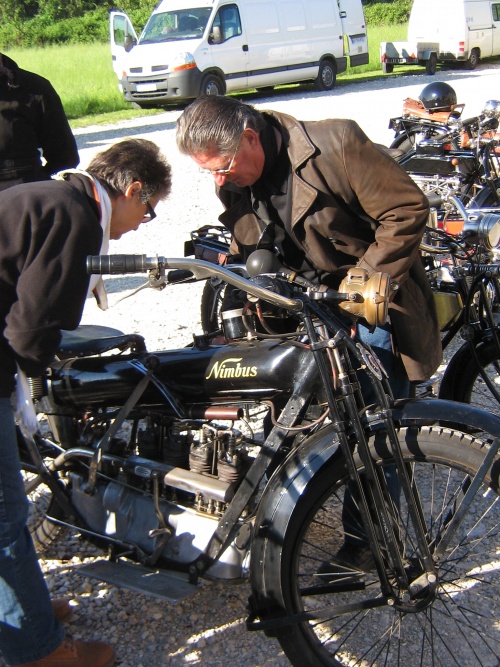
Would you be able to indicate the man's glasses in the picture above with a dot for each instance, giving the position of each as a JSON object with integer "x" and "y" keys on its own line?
{"x": 150, "y": 213}
{"x": 222, "y": 172}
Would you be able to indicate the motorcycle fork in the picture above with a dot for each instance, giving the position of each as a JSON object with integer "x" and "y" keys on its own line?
{"x": 376, "y": 487}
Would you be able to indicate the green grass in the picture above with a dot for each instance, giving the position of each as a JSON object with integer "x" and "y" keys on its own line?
{"x": 83, "y": 76}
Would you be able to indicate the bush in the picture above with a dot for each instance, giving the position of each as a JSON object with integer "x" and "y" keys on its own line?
{"x": 44, "y": 29}
{"x": 387, "y": 13}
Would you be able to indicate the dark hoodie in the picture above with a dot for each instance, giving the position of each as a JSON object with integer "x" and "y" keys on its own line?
{"x": 32, "y": 119}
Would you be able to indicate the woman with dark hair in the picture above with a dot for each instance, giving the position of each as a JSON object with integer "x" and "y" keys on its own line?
{"x": 46, "y": 232}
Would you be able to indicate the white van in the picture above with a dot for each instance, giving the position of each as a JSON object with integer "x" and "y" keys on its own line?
{"x": 461, "y": 31}
{"x": 194, "y": 47}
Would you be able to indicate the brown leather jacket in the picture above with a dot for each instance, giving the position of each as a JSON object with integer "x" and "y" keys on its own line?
{"x": 354, "y": 205}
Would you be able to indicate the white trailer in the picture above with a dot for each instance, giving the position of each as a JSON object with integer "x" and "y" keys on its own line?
{"x": 462, "y": 31}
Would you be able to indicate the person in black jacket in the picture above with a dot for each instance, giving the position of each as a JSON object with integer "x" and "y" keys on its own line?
{"x": 47, "y": 229}
{"x": 32, "y": 123}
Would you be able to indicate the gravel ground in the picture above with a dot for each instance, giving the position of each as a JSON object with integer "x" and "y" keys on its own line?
{"x": 207, "y": 629}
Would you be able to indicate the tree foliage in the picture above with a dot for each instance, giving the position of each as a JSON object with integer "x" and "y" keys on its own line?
{"x": 42, "y": 22}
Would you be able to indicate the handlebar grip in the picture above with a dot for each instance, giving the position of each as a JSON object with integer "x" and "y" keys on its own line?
{"x": 111, "y": 264}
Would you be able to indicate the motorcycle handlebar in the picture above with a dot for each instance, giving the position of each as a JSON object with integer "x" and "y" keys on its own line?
{"x": 198, "y": 269}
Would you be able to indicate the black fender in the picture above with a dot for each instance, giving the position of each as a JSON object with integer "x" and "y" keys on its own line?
{"x": 290, "y": 478}
{"x": 459, "y": 416}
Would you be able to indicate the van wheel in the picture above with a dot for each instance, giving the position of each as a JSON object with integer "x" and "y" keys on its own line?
{"x": 431, "y": 64}
{"x": 211, "y": 85}
{"x": 473, "y": 60}
{"x": 387, "y": 68}
{"x": 327, "y": 75}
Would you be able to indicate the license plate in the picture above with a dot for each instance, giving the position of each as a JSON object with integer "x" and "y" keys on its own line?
{"x": 145, "y": 87}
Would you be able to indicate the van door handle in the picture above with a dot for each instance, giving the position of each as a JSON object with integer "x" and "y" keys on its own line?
{"x": 245, "y": 47}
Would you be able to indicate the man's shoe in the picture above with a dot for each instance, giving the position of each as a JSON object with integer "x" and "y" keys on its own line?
{"x": 62, "y": 609}
{"x": 348, "y": 558}
{"x": 77, "y": 653}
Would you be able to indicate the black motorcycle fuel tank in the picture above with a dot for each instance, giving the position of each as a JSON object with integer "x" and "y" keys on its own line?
{"x": 430, "y": 158}
{"x": 241, "y": 370}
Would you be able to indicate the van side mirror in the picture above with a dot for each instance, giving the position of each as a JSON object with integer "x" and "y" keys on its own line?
{"x": 216, "y": 35}
{"x": 128, "y": 43}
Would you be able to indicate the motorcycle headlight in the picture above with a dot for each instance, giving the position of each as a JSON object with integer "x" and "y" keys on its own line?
{"x": 368, "y": 295}
{"x": 483, "y": 229}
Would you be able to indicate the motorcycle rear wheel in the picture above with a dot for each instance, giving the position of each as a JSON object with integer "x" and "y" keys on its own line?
{"x": 306, "y": 530}
{"x": 44, "y": 532}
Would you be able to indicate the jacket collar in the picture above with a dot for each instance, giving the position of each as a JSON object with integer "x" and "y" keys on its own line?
{"x": 299, "y": 147}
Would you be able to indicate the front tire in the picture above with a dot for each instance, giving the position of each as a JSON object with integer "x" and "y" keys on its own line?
{"x": 467, "y": 384}
{"x": 211, "y": 305}
{"x": 211, "y": 84}
{"x": 303, "y": 529}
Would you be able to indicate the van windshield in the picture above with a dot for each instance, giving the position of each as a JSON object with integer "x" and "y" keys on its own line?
{"x": 176, "y": 25}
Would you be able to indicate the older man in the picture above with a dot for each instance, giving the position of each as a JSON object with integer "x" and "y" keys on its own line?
{"x": 327, "y": 199}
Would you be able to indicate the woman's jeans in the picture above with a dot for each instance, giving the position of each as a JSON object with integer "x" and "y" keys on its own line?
{"x": 28, "y": 628}
{"x": 380, "y": 341}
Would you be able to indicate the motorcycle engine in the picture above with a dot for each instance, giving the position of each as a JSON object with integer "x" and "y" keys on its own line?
{"x": 164, "y": 486}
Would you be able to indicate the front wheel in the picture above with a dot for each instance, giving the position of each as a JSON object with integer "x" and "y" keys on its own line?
{"x": 488, "y": 196}
{"x": 327, "y": 75}
{"x": 211, "y": 84}
{"x": 351, "y": 621}
{"x": 211, "y": 305}
{"x": 476, "y": 380}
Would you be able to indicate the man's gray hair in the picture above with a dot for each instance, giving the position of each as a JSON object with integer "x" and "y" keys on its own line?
{"x": 213, "y": 124}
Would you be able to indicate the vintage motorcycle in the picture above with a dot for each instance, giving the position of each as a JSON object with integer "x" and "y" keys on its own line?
{"x": 464, "y": 274}
{"x": 156, "y": 456}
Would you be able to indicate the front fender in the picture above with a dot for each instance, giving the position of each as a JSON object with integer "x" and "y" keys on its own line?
{"x": 286, "y": 486}
{"x": 429, "y": 411}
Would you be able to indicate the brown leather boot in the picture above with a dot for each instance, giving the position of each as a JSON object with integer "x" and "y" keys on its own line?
{"x": 77, "y": 653}
{"x": 62, "y": 609}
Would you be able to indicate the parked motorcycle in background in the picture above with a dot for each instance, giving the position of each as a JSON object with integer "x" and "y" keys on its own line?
{"x": 446, "y": 155}
{"x": 154, "y": 455}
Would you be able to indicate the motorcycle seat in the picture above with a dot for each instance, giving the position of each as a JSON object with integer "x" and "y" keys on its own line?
{"x": 89, "y": 340}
